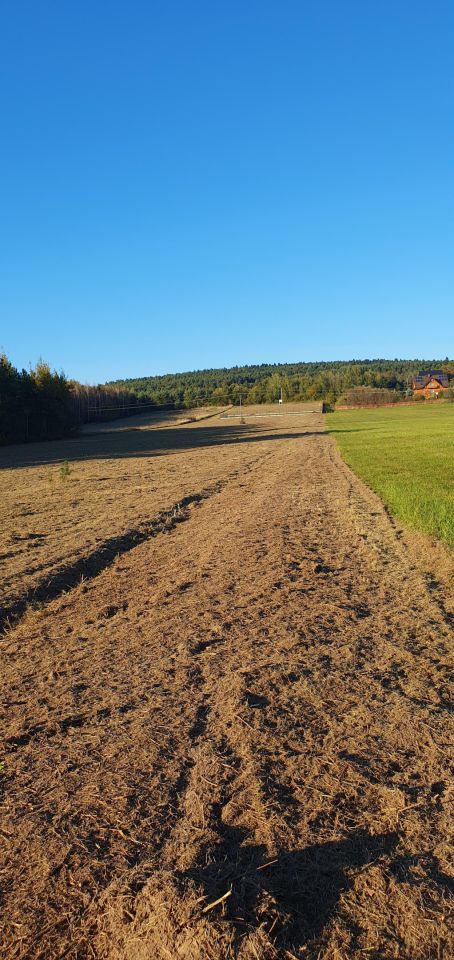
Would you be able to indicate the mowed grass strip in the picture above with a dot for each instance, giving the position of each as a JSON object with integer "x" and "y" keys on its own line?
{"x": 405, "y": 454}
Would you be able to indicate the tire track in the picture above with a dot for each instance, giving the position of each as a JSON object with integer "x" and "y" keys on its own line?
{"x": 276, "y": 739}
{"x": 92, "y": 564}
{"x": 89, "y": 566}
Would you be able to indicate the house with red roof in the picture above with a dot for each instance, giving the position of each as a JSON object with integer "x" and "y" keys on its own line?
{"x": 429, "y": 383}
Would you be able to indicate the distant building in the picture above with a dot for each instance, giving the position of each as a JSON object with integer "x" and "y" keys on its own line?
{"x": 429, "y": 383}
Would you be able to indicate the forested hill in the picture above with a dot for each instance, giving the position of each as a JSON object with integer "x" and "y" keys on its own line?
{"x": 261, "y": 383}
{"x": 41, "y": 404}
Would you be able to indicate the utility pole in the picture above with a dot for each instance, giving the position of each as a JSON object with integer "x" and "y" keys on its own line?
{"x": 242, "y": 420}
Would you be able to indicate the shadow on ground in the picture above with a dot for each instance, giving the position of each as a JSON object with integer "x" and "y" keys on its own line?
{"x": 293, "y": 896}
{"x": 135, "y": 442}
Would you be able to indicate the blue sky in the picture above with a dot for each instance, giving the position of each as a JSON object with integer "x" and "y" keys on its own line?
{"x": 190, "y": 184}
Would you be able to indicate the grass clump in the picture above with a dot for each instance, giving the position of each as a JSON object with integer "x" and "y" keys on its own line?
{"x": 405, "y": 454}
{"x": 65, "y": 470}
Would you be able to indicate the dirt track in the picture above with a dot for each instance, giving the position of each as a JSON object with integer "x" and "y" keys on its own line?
{"x": 250, "y": 705}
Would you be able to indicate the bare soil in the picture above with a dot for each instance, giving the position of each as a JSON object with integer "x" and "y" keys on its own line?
{"x": 122, "y": 475}
{"x": 231, "y": 738}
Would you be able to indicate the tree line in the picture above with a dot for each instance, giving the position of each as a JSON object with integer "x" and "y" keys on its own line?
{"x": 34, "y": 404}
{"x": 41, "y": 404}
{"x": 327, "y": 381}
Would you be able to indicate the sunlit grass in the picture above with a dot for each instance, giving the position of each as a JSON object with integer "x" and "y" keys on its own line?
{"x": 406, "y": 454}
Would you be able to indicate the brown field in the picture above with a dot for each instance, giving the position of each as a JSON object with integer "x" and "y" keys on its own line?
{"x": 121, "y": 478}
{"x": 225, "y": 693}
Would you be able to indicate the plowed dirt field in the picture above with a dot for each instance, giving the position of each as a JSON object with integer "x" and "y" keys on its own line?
{"x": 225, "y": 706}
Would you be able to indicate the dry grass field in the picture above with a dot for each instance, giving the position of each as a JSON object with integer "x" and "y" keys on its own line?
{"x": 122, "y": 475}
{"x": 225, "y": 702}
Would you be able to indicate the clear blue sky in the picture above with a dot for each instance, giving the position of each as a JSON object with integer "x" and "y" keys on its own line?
{"x": 188, "y": 184}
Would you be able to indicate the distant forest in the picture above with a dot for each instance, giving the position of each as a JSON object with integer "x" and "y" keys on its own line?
{"x": 262, "y": 383}
{"x": 41, "y": 404}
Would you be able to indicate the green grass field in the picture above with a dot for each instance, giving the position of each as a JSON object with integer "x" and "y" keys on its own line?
{"x": 405, "y": 454}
